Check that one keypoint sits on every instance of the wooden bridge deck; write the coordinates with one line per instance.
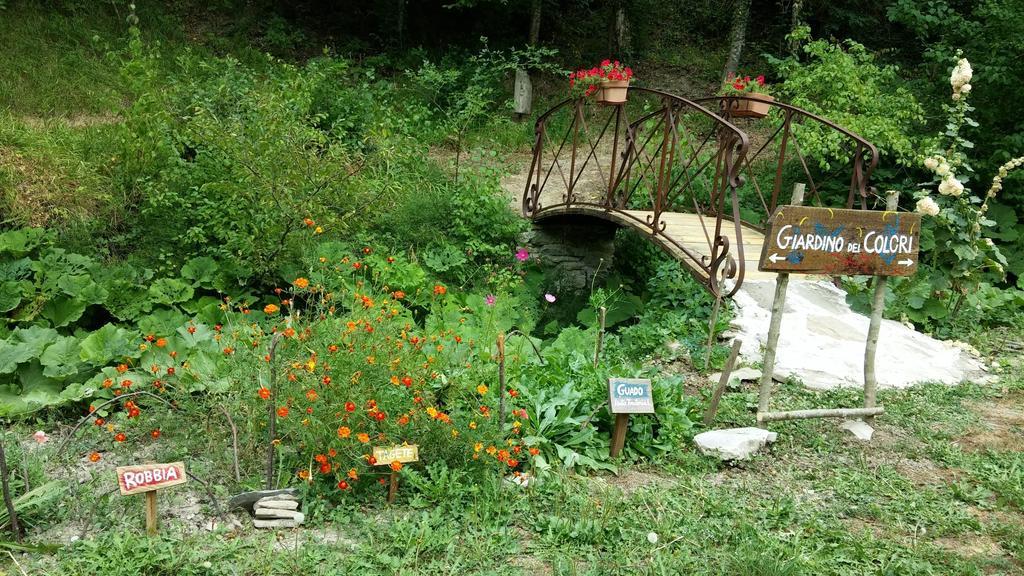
(685, 229)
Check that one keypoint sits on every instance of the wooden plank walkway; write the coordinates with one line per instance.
(685, 229)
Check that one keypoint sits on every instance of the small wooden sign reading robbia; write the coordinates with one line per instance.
(147, 479)
(808, 240)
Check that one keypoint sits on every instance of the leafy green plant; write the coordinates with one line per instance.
(845, 83)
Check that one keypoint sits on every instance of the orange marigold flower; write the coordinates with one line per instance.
(282, 411)
(271, 309)
(440, 290)
(161, 342)
(512, 463)
(263, 393)
(108, 383)
(403, 420)
(308, 222)
(326, 380)
(344, 432)
(122, 368)
(534, 451)
(100, 421)
(325, 468)
(363, 437)
(332, 348)
(289, 332)
(332, 452)
(311, 395)
(342, 485)
(396, 466)
(301, 283)
(94, 457)
(353, 474)
(398, 294)
(350, 407)
(320, 458)
(120, 437)
(155, 433)
(481, 389)
(304, 474)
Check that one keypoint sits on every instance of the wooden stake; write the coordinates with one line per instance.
(877, 307)
(601, 313)
(151, 512)
(822, 413)
(501, 384)
(619, 435)
(771, 346)
(12, 513)
(393, 487)
(711, 323)
(709, 416)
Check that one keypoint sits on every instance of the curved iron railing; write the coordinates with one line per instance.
(848, 150)
(639, 160)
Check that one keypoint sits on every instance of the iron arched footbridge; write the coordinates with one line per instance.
(699, 184)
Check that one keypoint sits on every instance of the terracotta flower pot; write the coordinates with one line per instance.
(613, 91)
(756, 107)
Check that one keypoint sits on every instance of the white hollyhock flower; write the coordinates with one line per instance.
(652, 537)
(931, 163)
(942, 169)
(927, 206)
(965, 88)
(950, 186)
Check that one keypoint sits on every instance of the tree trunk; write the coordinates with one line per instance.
(523, 90)
(794, 21)
(620, 30)
(535, 22)
(401, 23)
(737, 36)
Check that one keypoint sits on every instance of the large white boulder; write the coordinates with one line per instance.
(733, 443)
(822, 341)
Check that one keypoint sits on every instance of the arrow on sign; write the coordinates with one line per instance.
(775, 258)
(907, 262)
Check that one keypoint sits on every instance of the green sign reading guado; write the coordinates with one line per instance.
(630, 396)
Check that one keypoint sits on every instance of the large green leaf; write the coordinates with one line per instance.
(162, 322)
(201, 271)
(10, 295)
(170, 291)
(106, 344)
(36, 391)
(20, 242)
(35, 338)
(12, 354)
(61, 358)
(63, 310)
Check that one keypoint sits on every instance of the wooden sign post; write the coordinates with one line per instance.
(627, 396)
(147, 479)
(805, 240)
(384, 456)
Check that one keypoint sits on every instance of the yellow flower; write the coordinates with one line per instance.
(472, 425)
(455, 433)
(300, 283)
(432, 412)
(492, 450)
(481, 389)
(478, 447)
(319, 230)
(143, 347)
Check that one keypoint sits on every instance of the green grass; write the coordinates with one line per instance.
(910, 502)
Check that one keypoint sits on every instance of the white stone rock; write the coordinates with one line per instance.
(275, 523)
(738, 375)
(822, 341)
(278, 503)
(859, 428)
(733, 443)
(278, 513)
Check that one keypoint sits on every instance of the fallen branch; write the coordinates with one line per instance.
(97, 408)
